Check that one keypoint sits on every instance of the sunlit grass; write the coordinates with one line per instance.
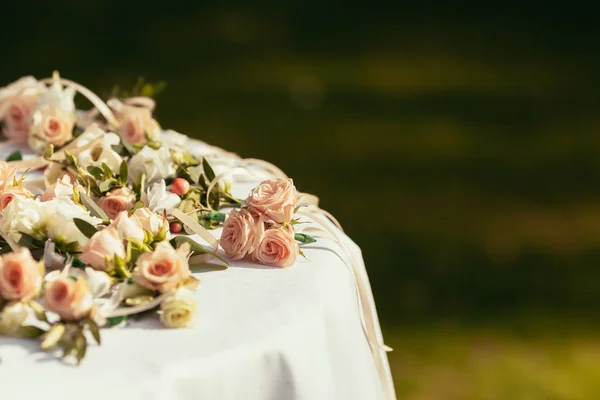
(445, 363)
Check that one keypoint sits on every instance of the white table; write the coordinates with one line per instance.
(263, 333)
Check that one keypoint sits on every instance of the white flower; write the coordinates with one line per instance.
(158, 198)
(149, 220)
(12, 317)
(58, 97)
(102, 153)
(173, 140)
(179, 310)
(61, 225)
(24, 215)
(155, 164)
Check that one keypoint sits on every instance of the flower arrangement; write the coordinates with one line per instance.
(115, 226)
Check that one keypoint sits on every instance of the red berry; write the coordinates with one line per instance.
(180, 186)
(175, 227)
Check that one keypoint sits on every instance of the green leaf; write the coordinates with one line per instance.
(30, 242)
(30, 332)
(94, 329)
(205, 267)
(85, 227)
(80, 346)
(14, 156)
(77, 263)
(38, 310)
(96, 172)
(208, 171)
(112, 321)
(123, 172)
(106, 185)
(196, 248)
(304, 238)
(139, 300)
(107, 171)
(92, 207)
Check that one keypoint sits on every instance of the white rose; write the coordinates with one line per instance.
(173, 140)
(155, 164)
(58, 97)
(128, 227)
(98, 281)
(158, 198)
(24, 215)
(179, 310)
(12, 317)
(61, 225)
(102, 153)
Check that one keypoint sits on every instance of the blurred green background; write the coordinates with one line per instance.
(456, 142)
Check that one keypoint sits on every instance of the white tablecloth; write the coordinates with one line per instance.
(263, 333)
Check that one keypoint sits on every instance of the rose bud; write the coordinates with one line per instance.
(180, 186)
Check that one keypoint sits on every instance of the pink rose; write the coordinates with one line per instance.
(7, 175)
(17, 120)
(138, 125)
(52, 125)
(104, 243)
(61, 188)
(71, 299)
(117, 200)
(242, 233)
(9, 194)
(128, 227)
(20, 276)
(275, 199)
(277, 248)
(162, 270)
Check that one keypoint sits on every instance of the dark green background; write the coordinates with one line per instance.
(456, 142)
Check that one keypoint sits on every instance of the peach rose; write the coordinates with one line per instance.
(9, 194)
(138, 125)
(128, 227)
(17, 119)
(117, 200)
(52, 125)
(61, 188)
(20, 276)
(162, 270)
(150, 221)
(278, 248)
(275, 199)
(71, 299)
(7, 175)
(242, 232)
(104, 243)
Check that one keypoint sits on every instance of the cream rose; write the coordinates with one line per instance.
(277, 248)
(51, 125)
(12, 317)
(71, 299)
(179, 309)
(275, 199)
(102, 153)
(10, 193)
(162, 270)
(20, 276)
(154, 164)
(158, 198)
(138, 125)
(104, 243)
(117, 200)
(150, 221)
(242, 233)
(7, 175)
(61, 188)
(128, 227)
